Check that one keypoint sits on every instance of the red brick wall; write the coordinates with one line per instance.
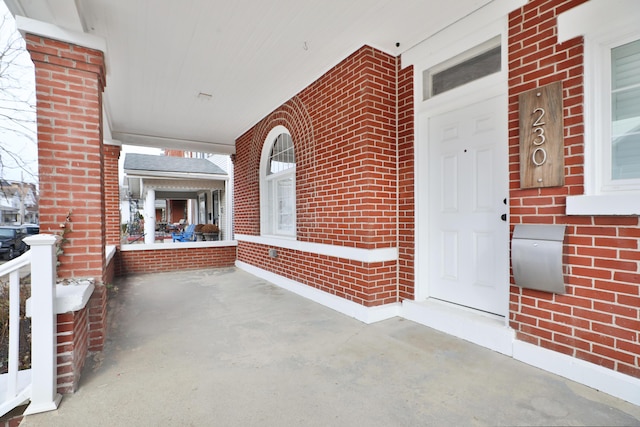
(72, 348)
(157, 260)
(597, 320)
(369, 284)
(97, 318)
(69, 85)
(110, 271)
(112, 194)
(345, 133)
(406, 199)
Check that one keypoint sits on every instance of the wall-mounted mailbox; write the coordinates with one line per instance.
(536, 257)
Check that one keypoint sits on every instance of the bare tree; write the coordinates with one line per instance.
(17, 109)
(18, 139)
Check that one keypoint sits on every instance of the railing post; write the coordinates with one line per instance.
(44, 396)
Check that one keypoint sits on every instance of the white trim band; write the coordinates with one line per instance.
(33, 26)
(604, 204)
(176, 245)
(597, 17)
(344, 252)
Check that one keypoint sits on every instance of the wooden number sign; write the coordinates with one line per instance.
(541, 137)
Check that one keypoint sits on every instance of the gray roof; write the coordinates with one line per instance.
(152, 163)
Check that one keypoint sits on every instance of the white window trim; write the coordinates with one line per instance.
(477, 50)
(604, 24)
(267, 228)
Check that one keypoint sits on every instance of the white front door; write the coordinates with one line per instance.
(468, 189)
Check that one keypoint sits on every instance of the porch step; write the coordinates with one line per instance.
(480, 328)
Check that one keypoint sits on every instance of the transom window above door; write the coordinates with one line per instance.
(480, 61)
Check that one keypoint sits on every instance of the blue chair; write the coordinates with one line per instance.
(185, 236)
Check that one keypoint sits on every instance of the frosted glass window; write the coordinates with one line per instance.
(481, 61)
(625, 111)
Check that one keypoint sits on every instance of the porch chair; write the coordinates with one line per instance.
(185, 236)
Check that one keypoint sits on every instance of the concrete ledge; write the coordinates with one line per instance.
(110, 252)
(364, 314)
(69, 298)
(177, 245)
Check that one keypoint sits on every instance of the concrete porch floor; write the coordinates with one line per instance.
(220, 347)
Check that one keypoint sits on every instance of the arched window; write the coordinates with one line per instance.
(278, 184)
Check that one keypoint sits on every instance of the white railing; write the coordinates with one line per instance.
(39, 383)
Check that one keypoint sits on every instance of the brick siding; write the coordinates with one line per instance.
(597, 319)
(72, 349)
(69, 85)
(112, 194)
(368, 284)
(159, 260)
(406, 180)
(344, 128)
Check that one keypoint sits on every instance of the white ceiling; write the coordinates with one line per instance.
(249, 55)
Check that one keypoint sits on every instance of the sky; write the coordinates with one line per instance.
(17, 81)
(18, 146)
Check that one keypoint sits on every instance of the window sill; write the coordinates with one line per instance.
(606, 204)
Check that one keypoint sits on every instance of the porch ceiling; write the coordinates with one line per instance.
(196, 74)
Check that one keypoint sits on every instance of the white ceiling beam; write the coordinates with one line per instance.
(45, 29)
(174, 143)
(63, 13)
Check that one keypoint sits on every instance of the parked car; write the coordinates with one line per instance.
(11, 244)
(30, 229)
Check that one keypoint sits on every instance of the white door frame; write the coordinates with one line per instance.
(462, 37)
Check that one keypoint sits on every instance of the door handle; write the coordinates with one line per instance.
(503, 217)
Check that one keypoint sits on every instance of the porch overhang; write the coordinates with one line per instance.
(195, 76)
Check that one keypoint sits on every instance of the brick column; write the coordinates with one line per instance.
(69, 84)
(112, 193)
(70, 80)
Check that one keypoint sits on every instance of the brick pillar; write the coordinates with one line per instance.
(112, 193)
(72, 349)
(70, 80)
(69, 84)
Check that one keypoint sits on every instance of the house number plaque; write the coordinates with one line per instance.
(541, 137)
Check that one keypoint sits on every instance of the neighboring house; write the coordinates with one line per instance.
(177, 190)
(392, 183)
(18, 202)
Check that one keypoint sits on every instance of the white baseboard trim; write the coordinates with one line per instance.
(349, 308)
(606, 380)
(482, 329)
